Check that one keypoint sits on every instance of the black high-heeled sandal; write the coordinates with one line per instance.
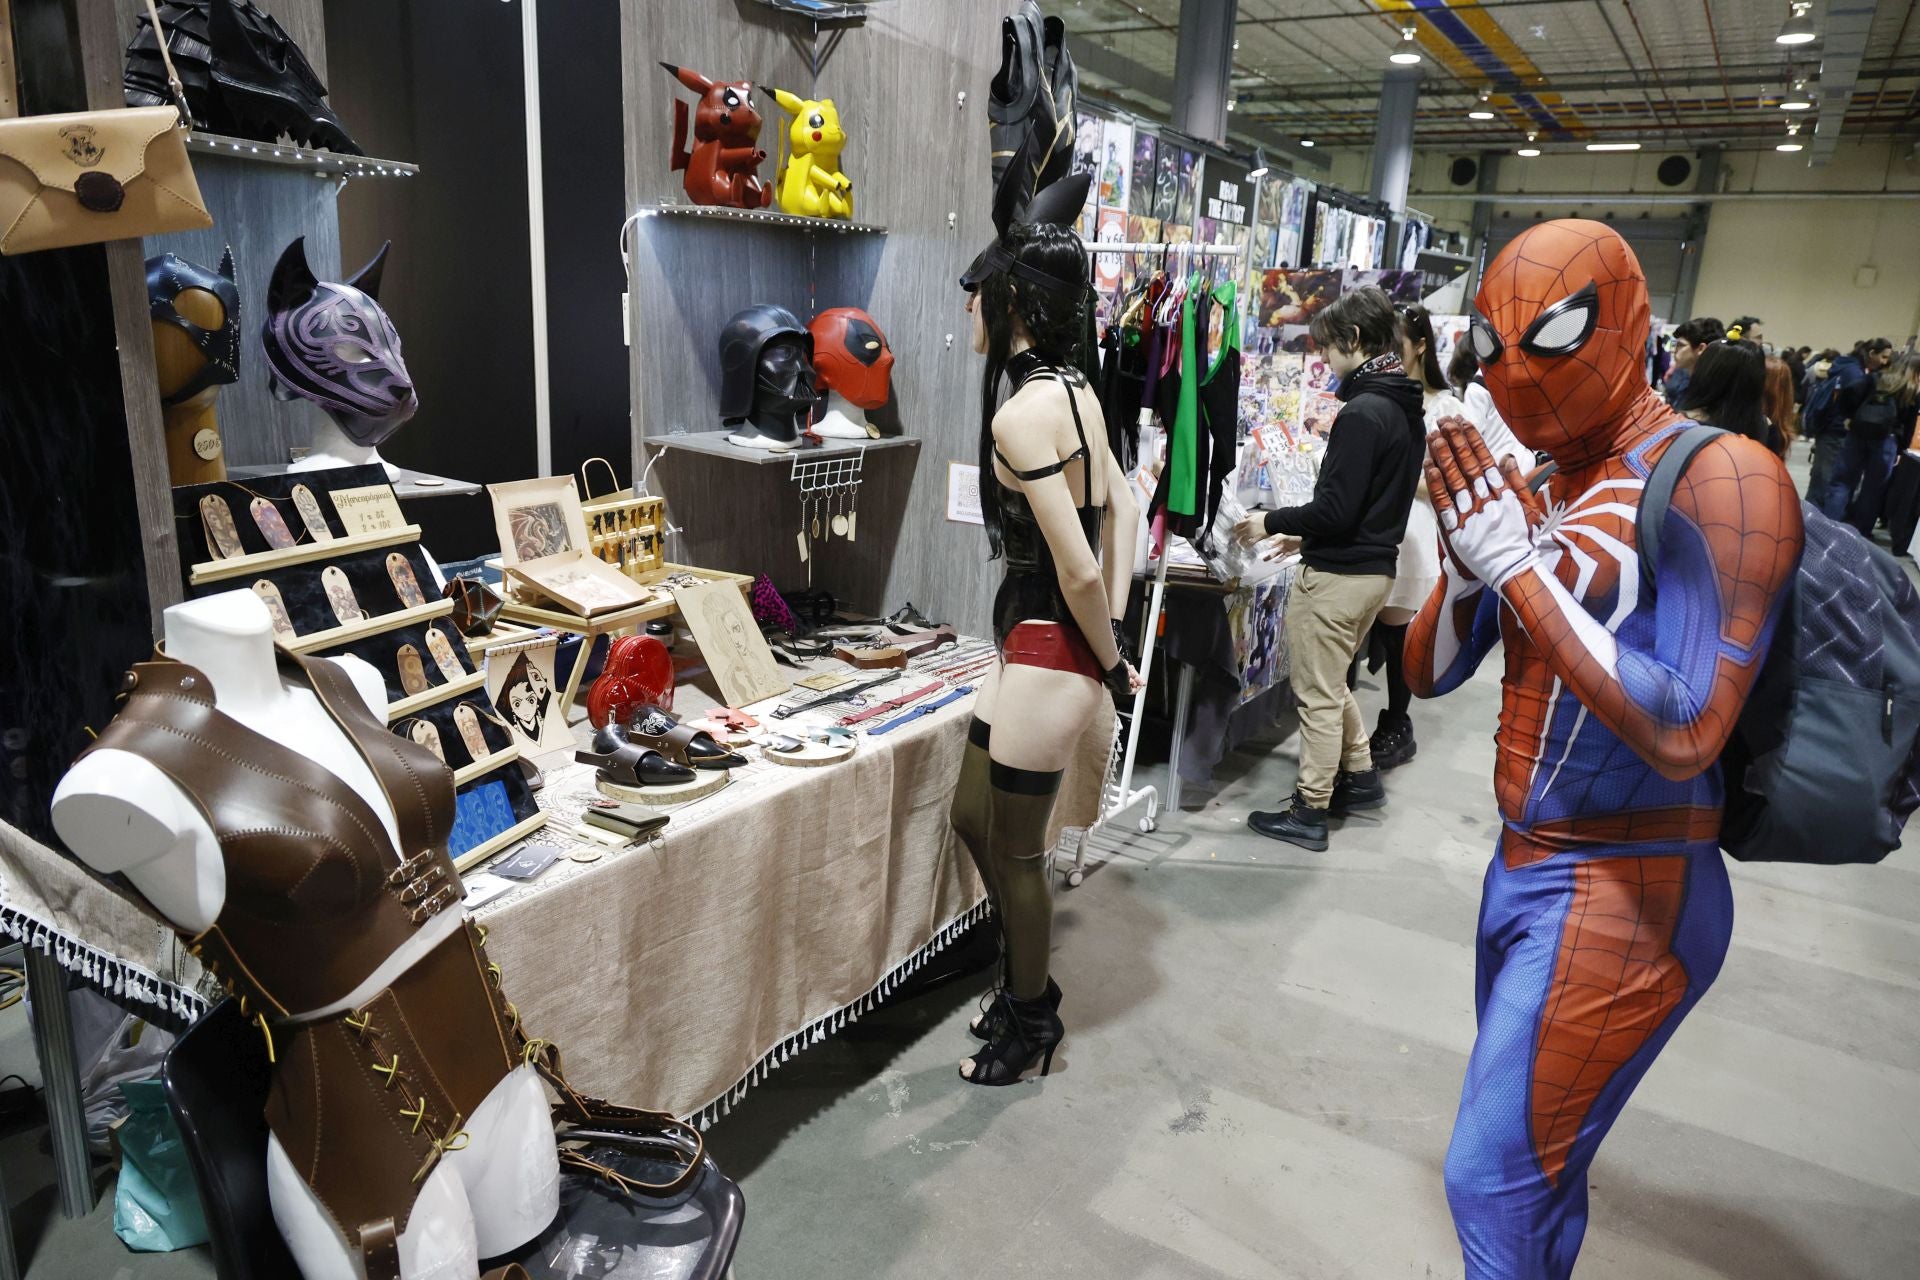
(1030, 1032)
(987, 1025)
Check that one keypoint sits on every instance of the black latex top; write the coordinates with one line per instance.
(1031, 590)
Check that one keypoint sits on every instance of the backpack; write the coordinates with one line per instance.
(1819, 406)
(1821, 766)
(1875, 419)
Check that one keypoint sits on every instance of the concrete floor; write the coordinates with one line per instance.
(1264, 1055)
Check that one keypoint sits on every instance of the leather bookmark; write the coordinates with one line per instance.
(443, 656)
(467, 721)
(223, 536)
(272, 525)
(405, 585)
(276, 609)
(340, 595)
(413, 676)
(310, 514)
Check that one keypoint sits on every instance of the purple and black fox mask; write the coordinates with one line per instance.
(334, 345)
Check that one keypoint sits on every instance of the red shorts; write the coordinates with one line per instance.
(1057, 646)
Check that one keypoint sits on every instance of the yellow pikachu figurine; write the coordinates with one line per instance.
(810, 182)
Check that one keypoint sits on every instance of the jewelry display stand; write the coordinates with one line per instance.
(364, 562)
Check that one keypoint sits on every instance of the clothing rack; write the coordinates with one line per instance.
(1119, 795)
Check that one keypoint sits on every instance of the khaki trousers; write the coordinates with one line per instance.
(1328, 615)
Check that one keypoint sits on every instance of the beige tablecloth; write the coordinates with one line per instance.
(673, 974)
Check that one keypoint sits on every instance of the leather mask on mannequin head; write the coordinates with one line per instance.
(333, 344)
(167, 278)
(1560, 327)
(766, 370)
(852, 356)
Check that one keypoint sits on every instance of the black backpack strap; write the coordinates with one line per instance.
(1546, 471)
(1658, 496)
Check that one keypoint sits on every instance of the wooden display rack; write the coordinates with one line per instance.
(625, 530)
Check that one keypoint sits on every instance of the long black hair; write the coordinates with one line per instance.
(1729, 386)
(1463, 366)
(1417, 324)
(1059, 319)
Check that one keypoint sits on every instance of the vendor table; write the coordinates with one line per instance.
(677, 973)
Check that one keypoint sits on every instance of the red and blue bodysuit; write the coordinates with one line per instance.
(1606, 910)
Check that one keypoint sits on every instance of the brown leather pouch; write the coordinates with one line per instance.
(90, 176)
(475, 606)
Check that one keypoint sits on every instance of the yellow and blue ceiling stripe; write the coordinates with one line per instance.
(1471, 43)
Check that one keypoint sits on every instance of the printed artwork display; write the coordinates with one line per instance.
(1108, 266)
(1255, 618)
(1295, 297)
(1146, 151)
(1183, 201)
(1116, 162)
(1166, 182)
(522, 688)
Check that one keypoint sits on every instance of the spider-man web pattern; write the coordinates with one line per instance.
(1606, 910)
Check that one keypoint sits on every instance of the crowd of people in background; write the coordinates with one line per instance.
(1855, 408)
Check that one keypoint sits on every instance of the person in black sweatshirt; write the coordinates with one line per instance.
(1349, 539)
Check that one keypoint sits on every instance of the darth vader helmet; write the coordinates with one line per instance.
(766, 364)
(333, 344)
(852, 356)
(167, 278)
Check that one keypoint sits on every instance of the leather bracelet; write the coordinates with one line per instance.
(1120, 638)
(920, 712)
(892, 704)
(872, 659)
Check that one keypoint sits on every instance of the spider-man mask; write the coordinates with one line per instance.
(1560, 327)
(852, 356)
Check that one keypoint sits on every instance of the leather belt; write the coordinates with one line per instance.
(893, 704)
(837, 695)
(920, 711)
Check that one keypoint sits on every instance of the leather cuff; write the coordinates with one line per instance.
(1120, 640)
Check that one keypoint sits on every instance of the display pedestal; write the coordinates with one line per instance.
(705, 783)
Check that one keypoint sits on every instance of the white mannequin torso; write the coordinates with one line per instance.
(118, 812)
(331, 448)
(842, 420)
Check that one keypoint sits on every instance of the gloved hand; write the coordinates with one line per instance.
(1121, 680)
(1484, 523)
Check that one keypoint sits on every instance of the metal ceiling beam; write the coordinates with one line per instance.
(1152, 95)
(1620, 81)
(1843, 46)
(1630, 197)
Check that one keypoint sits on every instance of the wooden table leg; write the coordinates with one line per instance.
(568, 694)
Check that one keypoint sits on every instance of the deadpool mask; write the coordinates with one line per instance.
(1560, 328)
(334, 345)
(852, 357)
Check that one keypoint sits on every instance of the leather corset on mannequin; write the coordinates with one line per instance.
(120, 813)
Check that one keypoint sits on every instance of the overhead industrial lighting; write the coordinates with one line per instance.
(1405, 54)
(1613, 146)
(1797, 98)
(1233, 104)
(1483, 110)
(1259, 167)
(1306, 142)
(1793, 142)
(1798, 28)
(1530, 150)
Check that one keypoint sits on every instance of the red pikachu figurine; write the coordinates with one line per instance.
(726, 152)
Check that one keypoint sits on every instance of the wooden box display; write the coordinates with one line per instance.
(624, 529)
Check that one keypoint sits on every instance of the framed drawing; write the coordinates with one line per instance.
(522, 689)
(731, 642)
(536, 519)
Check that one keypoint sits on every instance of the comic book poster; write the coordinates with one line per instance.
(1292, 222)
(1318, 409)
(1295, 297)
(1256, 619)
(1108, 266)
(1404, 287)
(1447, 333)
(1086, 158)
(1146, 151)
(1116, 162)
(1141, 230)
(1183, 203)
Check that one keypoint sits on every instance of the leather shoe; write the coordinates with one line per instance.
(1299, 823)
(1353, 792)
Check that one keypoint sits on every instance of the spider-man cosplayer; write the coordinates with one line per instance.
(1606, 910)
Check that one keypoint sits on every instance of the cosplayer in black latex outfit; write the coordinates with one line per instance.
(1058, 507)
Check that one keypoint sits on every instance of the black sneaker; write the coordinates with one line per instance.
(1353, 792)
(1392, 742)
(1299, 823)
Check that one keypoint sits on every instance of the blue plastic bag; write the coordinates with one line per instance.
(156, 1207)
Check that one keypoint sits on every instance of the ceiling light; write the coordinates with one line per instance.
(1259, 167)
(1793, 139)
(1528, 152)
(1479, 115)
(1306, 142)
(1798, 28)
(1405, 54)
(1797, 99)
(1233, 104)
(1613, 146)
(1790, 146)
(1483, 109)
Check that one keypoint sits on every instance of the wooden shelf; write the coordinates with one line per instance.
(321, 164)
(481, 852)
(370, 627)
(485, 765)
(763, 217)
(714, 444)
(502, 633)
(305, 553)
(439, 693)
(533, 616)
